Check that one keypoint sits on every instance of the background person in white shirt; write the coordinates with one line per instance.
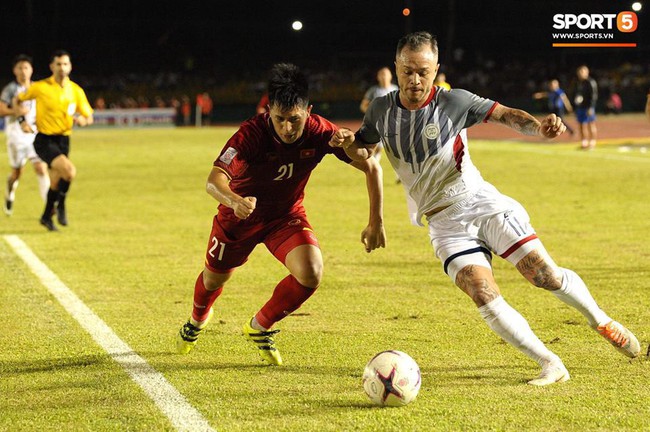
(20, 145)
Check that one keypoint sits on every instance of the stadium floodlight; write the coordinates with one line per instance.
(296, 25)
(637, 6)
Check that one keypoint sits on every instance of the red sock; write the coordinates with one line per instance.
(203, 299)
(288, 295)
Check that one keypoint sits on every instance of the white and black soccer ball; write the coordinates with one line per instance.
(392, 378)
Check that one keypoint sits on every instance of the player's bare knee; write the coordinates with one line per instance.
(539, 272)
(548, 278)
(70, 172)
(310, 275)
(213, 281)
(478, 284)
(40, 169)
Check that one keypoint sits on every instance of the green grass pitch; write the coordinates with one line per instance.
(139, 222)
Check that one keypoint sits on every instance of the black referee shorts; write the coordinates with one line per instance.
(48, 147)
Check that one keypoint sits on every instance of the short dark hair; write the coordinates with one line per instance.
(288, 87)
(21, 58)
(417, 40)
(59, 53)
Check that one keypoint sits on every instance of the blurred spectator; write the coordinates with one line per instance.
(558, 102)
(441, 81)
(143, 102)
(186, 110)
(100, 103)
(614, 104)
(585, 97)
(647, 105)
(204, 102)
(176, 104)
(263, 104)
(383, 87)
(159, 102)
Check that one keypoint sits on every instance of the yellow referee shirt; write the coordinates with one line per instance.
(55, 105)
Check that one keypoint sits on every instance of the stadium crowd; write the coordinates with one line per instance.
(512, 82)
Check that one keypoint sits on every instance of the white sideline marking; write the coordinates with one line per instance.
(183, 416)
(578, 153)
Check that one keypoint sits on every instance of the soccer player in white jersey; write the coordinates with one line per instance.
(422, 129)
(20, 145)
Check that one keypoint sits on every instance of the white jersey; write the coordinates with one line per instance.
(12, 127)
(428, 147)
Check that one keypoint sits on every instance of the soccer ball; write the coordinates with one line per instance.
(392, 378)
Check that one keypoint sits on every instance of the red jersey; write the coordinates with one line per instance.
(260, 165)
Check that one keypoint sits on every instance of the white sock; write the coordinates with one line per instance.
(43, 185)
(199, 324)
(256, 325)
(575, 293)
(12, 192)
(514, 329)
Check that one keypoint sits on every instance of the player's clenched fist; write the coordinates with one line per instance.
(552, 126)
(342, 138)
(244, 207)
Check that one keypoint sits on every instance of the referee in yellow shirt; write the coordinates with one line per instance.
(58, 99)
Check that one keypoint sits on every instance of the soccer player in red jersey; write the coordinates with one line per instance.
(259, 180)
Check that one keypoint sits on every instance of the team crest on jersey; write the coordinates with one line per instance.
(228, 155)
(432, 131)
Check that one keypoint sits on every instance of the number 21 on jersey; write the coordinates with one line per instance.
(213, 249)
(285, 172)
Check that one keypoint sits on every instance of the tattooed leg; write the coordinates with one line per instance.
(478, 283)
(537, 269)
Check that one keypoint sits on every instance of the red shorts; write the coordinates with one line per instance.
(232, 240)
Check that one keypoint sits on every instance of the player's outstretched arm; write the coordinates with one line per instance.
(567, 102)
(5, 110)
(345, 139)
(524, 123)
(18, 108)
(19, 111)
(373, 236)
(82, 120)
(218, 187)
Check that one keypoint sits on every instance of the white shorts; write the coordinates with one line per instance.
(467, 233)
(21, 149)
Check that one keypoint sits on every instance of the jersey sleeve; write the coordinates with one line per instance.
(460, 103)
(324, 129)
(594, 92)
(341, 155)
(235, 155)
(8, 93)
(370, 93)
(30, 93)
(83, 106)
(368, 133)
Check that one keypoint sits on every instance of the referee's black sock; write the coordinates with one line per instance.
(52, 198)
(64, 185)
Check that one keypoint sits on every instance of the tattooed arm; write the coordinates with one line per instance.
(524, 123)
